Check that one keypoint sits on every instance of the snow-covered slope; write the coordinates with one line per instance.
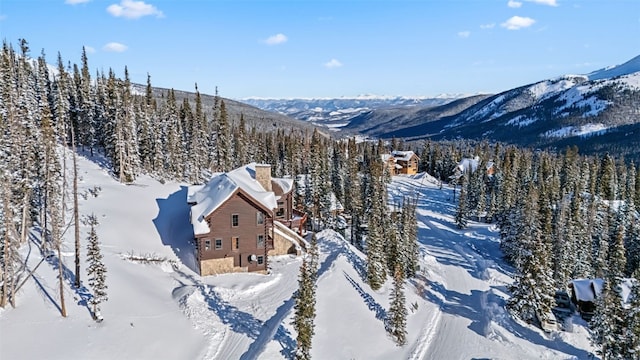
(627, 68)
(164, 310)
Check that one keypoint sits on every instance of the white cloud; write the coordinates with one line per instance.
(132, 9)
(544, 2)
(517, 23)
(90, 49)
(114, 47)
(464, 34)
(332, 64)
(276, 39)
(74, 2)
(514, 4)
(488, 26)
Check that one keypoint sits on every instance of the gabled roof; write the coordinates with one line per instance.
(590, 289)
(587, 289)
(403, 155)
(220, 188)
(387, 157)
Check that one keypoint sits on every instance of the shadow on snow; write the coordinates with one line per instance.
(485, 307)
(174, 227)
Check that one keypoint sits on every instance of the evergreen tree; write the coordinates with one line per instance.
(533, 289)
(96, 271)
(305, 302)
(377, 227)
(462, 210)
(410, 251)
(397, 318)
(632, 325)
(607, 324)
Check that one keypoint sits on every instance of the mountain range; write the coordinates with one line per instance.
(336, 113)
(598, 112)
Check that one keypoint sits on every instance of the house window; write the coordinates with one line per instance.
(207, 244)
(235, 241)
(234, 220)
(218, 244)
(260, 243)
(280, 212)
(259, 218)
(260, 260)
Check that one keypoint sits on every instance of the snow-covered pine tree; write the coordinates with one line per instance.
(352, 193)
(305, 302)
(96, 271)
(632, 325)
(175, 157)
(409, 237)
(533, 289)
(397, 317)
(607, 324)
(632, 222)
(377, 227)
(462, 209)
(223, 143)
(240, 154)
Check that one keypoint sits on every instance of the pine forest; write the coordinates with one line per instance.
(561, 215)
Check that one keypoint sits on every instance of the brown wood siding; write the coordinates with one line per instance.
(409, 167)
(247, 231)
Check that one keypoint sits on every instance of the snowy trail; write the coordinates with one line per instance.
(238, 330)
(274, 324)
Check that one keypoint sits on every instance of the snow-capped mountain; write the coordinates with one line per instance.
(629, 67)
(338, 112)
(599, 111)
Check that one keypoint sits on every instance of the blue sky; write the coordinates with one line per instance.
(331, 48)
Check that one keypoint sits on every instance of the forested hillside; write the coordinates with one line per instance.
(561, 215)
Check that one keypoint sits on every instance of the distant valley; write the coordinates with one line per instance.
(598, 112)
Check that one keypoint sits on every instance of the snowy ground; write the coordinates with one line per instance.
(164, 310)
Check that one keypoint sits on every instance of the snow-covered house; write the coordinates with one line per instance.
(469, 165)
(401, 162)
(242, 216)
(584, 293)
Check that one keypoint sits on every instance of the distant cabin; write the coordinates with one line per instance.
(401, 162)
(471, 165)
(584, 293)
(243, 216)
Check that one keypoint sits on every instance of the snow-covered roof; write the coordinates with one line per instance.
(467, 164)
(403, 155)
(191, 193)
(387, 157)
(220, 188)
(286, 184)
(587, 289)
(590, 289)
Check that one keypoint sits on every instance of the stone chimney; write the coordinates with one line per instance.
(263, 176)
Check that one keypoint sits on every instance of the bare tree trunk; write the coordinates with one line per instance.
(121, 152)
(63, 308)
(76, 219)
(7, 253)
(5, 272)
(25, 211)
(64, 178)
